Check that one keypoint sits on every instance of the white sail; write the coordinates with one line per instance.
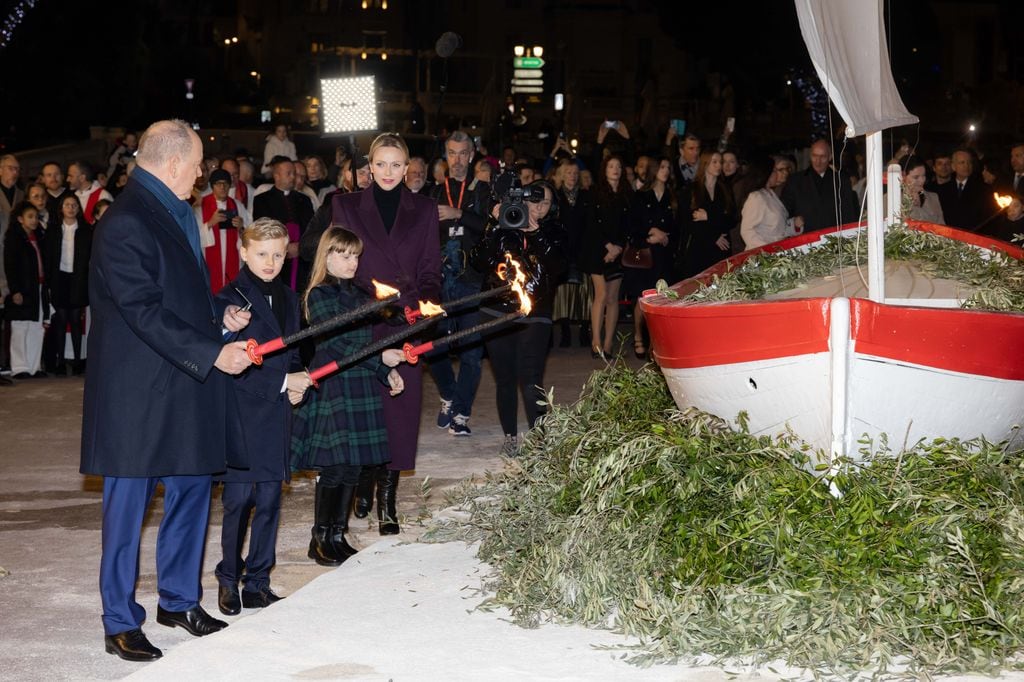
(846, 42)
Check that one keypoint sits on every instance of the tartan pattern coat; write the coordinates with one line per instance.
(342, 422)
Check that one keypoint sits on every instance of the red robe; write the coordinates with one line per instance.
(221, 273)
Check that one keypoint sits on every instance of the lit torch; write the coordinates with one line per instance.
(385, 295)
(426, 309)
(516, 282)
(1003, 201)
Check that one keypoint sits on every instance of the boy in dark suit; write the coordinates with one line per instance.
(265, 396)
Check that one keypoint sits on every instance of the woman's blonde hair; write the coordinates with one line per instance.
(262, 230)
(336, 239)
(388, 140)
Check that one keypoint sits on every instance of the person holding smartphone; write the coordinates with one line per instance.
(221, 220)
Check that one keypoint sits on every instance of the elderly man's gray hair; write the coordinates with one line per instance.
(164, 140)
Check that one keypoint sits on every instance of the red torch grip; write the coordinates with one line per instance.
(321, 372)
(413, 353)
(411, 315)
(256, 352)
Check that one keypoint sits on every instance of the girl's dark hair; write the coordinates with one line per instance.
(21, 208)
(603, 190)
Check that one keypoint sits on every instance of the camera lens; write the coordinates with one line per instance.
(513, 217)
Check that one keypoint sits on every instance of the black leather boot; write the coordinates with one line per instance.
(339, 524)
(321, 549)
(364, 492)
(584, 334)
(387, 492)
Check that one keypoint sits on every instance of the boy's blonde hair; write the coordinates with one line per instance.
(262, 230)
(336, 239)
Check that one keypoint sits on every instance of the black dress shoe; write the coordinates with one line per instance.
(196, 621)
(228, 601)
(40, 375)
(22, 375)
(132, 645)
(258, 600)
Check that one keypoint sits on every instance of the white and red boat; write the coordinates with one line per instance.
(834, 366)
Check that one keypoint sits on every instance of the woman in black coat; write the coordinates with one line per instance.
(27, 306)
(652, 225)
(67, 250)
(711, 217)
(601, 251)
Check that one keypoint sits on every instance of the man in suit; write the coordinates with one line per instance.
(294, 209)
(966, 201)
(1017, 165)
(159, 406)
(811, 196)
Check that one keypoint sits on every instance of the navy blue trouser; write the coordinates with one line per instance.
(263, 501)
(180, 542)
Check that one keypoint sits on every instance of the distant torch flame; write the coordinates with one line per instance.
(518, 282)
(383, 290)
(428, 309)
(1003, 200)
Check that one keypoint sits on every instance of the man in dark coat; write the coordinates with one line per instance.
(810, 196)
(294, 209)
(966, 200)
(159, 406)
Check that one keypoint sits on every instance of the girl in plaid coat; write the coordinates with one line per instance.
(340, 428)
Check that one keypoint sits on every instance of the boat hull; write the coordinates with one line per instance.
(834, 370)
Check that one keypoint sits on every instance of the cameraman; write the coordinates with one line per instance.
(519, 351)
(463, 204)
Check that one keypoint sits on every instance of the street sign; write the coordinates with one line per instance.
(527, 73)
(538, 82)
(527, 62)
(526, 89)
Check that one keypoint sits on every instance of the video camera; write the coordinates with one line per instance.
(512, 215)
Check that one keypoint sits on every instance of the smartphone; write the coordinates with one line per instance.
(248, 303)
(610, 124)
(680, 125)
(229, 215)
(730, 125)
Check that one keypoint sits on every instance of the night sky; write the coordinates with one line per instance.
(72, 64)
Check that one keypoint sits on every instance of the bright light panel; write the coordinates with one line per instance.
(348, 104)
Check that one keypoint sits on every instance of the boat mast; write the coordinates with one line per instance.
(876, 221)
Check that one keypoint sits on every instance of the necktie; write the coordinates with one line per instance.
(959, 189)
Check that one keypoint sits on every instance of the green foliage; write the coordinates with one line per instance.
(999, 278)
(624, 512)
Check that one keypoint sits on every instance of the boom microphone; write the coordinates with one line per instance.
(447, 44)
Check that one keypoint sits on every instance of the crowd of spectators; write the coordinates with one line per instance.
(631, 216)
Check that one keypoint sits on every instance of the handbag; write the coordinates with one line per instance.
(639, 259)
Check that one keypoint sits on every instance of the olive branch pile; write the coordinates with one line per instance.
(624, 512)
(999, 278)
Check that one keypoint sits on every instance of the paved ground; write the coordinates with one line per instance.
(50, 522)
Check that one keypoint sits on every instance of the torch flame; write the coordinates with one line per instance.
(428, 309)
(383, 290)
(1003, 200)
(518, 282)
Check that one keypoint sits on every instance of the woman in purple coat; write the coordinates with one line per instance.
(401, 248)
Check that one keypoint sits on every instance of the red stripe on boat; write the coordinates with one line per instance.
(689, 335)
(966, 341)
(725, 333)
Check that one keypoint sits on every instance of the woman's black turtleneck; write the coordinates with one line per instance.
(387, 204)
